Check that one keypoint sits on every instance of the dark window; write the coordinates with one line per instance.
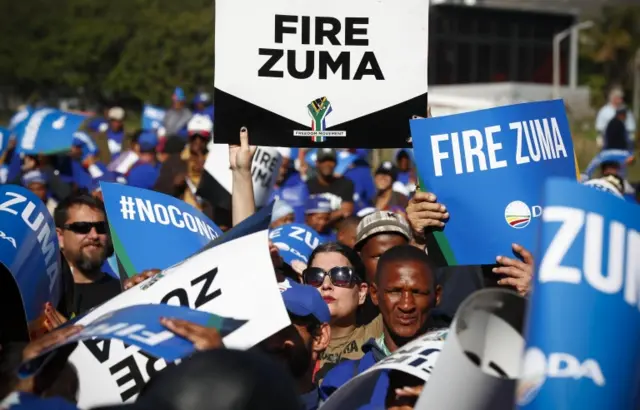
(484, 63)
(463, 72)
(502, 70)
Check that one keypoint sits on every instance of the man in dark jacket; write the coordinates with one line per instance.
(405, 291)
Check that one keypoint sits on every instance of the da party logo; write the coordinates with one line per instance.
(518, 214)
(537, 368)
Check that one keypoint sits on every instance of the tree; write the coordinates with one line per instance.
(609, 48)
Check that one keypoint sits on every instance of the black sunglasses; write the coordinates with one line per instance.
(85, 227)
(340, 276)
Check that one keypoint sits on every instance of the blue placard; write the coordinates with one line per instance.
(139, 325)
(152, 117)
(583, 325)
(153, 230)
(488, 168)
(47, 131)
(29, 248)
(295, 242)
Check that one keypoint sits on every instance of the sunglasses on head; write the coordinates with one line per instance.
(85, 227)
(340, 276)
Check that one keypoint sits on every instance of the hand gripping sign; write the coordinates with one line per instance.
(482, 353)
(29, 251)
(139, 325)
(583, 323)
(488, 168)
(153, 230)
(218, 280)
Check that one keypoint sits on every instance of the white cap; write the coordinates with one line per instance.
(116, 113)
(200, 123)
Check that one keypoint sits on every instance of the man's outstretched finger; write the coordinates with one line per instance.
(244, 138)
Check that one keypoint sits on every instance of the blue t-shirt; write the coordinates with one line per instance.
(294, 191)
(364, 188)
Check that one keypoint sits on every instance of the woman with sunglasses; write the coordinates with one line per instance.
(337, 272)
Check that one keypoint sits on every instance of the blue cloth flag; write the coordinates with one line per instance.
(153, 230)
(295, 242)
(152, 117)
(29, 249)
(47, 131)
(488, 168)
(139, 325)
(618, 156)
(583, 324)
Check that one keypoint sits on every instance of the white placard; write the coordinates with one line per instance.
(416, 358)
(359, 57)
(482, 353)
(219, 280)
(264, 170)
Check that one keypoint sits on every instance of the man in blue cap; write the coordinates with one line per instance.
(202, 104)
(178, 116)
(145, 172)
(300, 344)
(36, 182)
(318, 216)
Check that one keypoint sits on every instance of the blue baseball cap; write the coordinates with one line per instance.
(202, 98)
(305, 300)
(147, 140)
(178, 94)
(317, 205)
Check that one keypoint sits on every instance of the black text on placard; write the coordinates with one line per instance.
(205, 295)
(294, 30)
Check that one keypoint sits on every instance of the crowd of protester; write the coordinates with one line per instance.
(374, 284)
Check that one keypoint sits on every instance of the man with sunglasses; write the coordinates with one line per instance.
(85, 244)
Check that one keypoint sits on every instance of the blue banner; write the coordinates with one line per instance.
(583, 325)
(140, 326)
(152, 117)
(47, 131)
(488, 168)
(153, 230)
(29, 249)
(295, 242)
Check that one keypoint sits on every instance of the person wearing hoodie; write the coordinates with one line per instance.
(405, 291)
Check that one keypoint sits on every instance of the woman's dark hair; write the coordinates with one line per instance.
(351, 255)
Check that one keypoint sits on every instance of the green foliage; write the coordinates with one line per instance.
(131, 49)
(609, 49)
